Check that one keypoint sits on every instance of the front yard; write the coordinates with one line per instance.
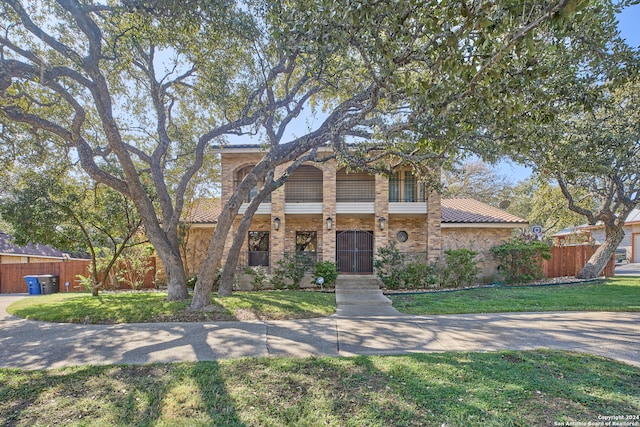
(142, 307)
(616, 294)
(508, 388)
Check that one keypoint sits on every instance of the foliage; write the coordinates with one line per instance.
(59, 206)
(289, 271)
(520, 259)
(542, 203)
(458, 268)
(191, 281)
(258, 276)
(389, 265)
(328, 270)
(476, 179)
(397, 270)
(418, 275)
(134, 265)
(615, 294)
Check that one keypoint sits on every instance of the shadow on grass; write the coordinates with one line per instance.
(183, 394)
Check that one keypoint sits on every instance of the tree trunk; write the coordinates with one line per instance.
(207, 273)
(172, 261)
(230, 265)
(598, 261)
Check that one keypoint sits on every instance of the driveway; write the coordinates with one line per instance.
(632, 269)
(38, 345)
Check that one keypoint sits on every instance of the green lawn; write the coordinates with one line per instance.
(616, 294)
(532, 388)
(133, 307)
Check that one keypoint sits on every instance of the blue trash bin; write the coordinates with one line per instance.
(34, 285)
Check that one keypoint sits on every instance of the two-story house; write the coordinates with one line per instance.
(332, 215)
(329, 214)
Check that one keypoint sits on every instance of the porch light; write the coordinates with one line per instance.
(276, 223)
(329, 223)
(383, 222)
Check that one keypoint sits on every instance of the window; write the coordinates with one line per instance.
(240, 174)
(307, 245)
(394, 187)
(258, 243)
(404, 187)
(409, 187)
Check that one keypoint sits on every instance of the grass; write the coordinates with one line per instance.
(616, 294)
(506, 388)
(140, 307)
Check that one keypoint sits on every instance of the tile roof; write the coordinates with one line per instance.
(473, 211)
(206, 211)
(203, 211)
(7, 247)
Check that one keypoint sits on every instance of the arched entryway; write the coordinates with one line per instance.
(354, 251)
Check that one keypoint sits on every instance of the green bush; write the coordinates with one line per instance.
(289, 271)
(258, 276)
(458, 269)
(191, 281)
(418, 275)
(327, 270)
(520, 259)
(389, 266)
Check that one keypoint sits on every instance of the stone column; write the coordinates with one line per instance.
(434, 236)
(329, 210)
(277, 237)
(381, 237)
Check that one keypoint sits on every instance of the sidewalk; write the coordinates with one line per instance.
(38, 345)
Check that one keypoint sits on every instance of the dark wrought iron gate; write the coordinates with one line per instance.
(354, 251)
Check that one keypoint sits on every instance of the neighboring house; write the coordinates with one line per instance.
(595, 234)
(329, 214)
(13, 254)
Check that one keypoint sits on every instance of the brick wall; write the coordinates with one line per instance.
(480, 240)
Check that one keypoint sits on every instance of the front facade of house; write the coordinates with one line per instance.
(327, 214)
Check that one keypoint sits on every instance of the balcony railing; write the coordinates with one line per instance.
(406, 191)
(352, 191)
(303, 191)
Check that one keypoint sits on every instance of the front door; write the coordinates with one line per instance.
(354, 251)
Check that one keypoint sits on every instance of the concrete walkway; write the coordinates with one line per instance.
(38, 345)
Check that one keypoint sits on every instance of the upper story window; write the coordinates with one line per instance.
(355, 187)
(304, 185)
(404, 187)
(239, 176)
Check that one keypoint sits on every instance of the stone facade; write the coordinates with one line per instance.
(376, 207)
(422, 225)
(480, 240)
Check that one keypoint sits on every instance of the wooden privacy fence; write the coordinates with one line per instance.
(12, 275)
(569, 260)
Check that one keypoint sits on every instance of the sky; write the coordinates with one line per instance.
(629, 26)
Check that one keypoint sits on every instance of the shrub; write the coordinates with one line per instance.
(458, 269)
(327, 270)
(389, 265)
(258, 276)
(291, 267)
(191, 281)
(418, 275)
(520, 259)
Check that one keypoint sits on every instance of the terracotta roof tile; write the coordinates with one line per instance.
(473, 211)
(206, 211)
(203, 211)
